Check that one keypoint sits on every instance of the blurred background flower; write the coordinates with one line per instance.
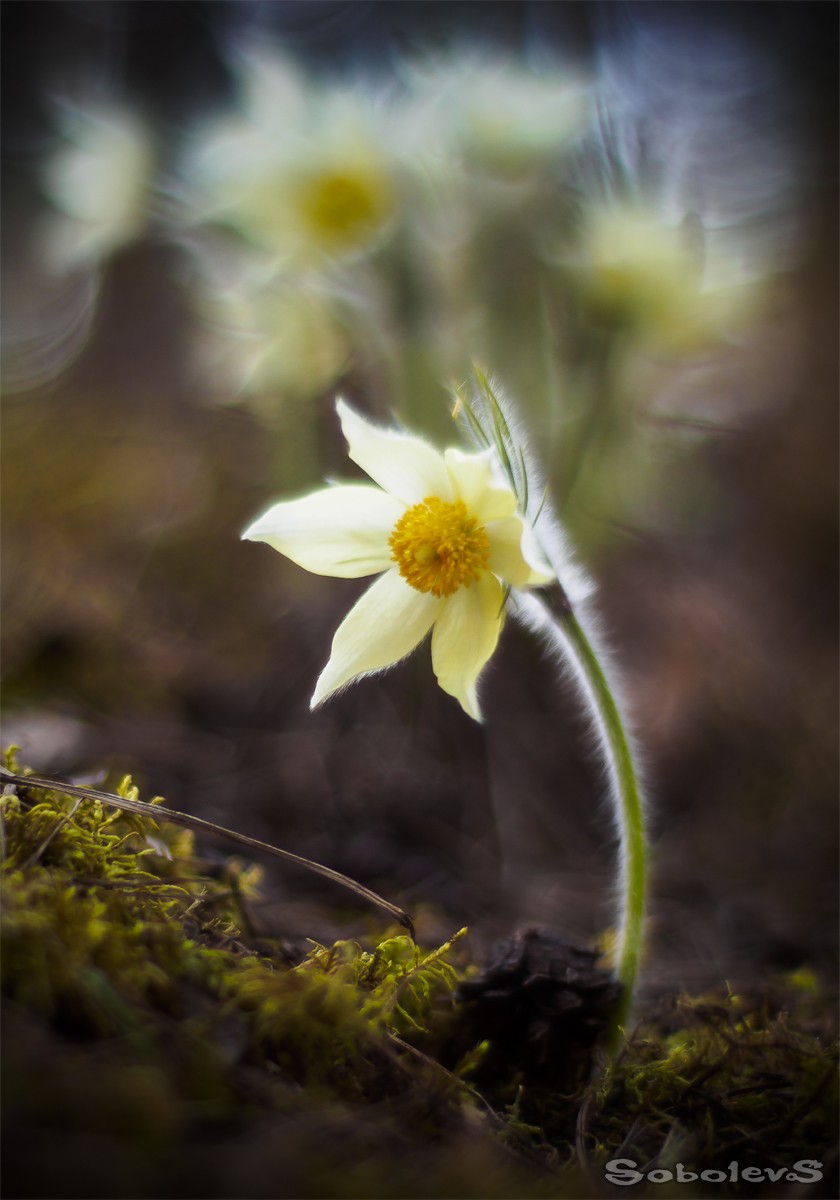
(300, 171)
(647, 278)
(280, 337)
(99, 180)
(496, 114)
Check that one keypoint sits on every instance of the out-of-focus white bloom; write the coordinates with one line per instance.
(500, 116)
(100, 181)
(650, 278)
(443, 534)
(281, 337)
(301, 172)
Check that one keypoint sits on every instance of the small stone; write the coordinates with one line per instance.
(541, 1002)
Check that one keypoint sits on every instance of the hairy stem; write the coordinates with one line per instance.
(559, 622)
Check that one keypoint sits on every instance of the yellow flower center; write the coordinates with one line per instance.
(439, 547)
(341, 207)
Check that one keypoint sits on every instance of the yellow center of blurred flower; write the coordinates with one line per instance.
(341, 207)
(439, 547)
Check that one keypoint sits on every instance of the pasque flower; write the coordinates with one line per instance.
(303, 173)
(658, 282)
(442, 533)
(99, 180)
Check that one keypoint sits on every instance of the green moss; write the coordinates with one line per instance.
(107, 915)
(734, 1082)
(137, 1008)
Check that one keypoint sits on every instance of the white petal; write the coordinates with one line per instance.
(514, 556)
(465, 635)
(340, 531)
(404, 466)
(474, 482)
(384, 626)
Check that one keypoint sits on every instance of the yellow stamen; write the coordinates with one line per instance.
(439, 547)
(340, 206)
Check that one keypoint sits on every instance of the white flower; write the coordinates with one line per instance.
(656, 281)
(274, 340)
(299, 171)
(500, 116)
(99, 179)
(443, 534)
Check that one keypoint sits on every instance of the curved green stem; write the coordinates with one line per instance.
(563, 624)
(629, 812)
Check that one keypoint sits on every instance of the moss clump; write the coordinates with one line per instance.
(107, 914)
(711, 1081)
(105, 918)
(126, 962)
(330, 1022)
(735, 1082)
(163, 1051)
